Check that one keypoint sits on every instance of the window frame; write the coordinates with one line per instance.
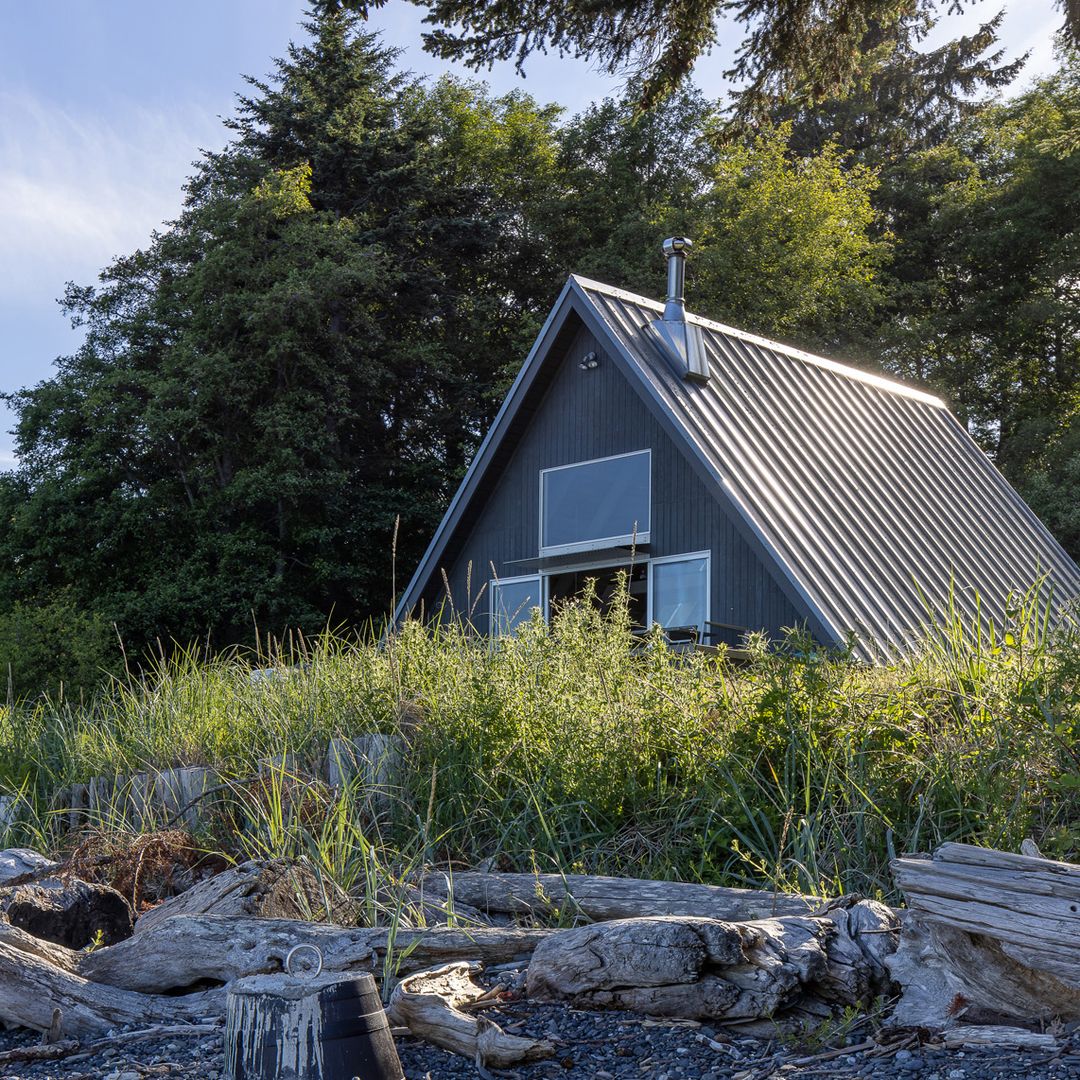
(495, 583)
(688, 556)
(600, 543)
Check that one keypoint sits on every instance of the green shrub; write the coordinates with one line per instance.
(570, 747)
(54, 648)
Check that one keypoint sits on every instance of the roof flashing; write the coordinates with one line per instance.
(682, 343)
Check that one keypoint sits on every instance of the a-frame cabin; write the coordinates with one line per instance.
(742, 484)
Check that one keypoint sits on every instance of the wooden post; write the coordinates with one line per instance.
(7, 812)
(77, 804)
(373, 761)
(179, 792)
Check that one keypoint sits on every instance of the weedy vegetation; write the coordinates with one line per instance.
(575, 747)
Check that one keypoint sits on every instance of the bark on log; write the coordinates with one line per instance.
(606, 898)
(188, 949)
(31, 988)
(264, 890)
(707, 969)
(990, 934)
(429, 1004)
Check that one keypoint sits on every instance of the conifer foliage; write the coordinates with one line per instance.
(307, 353)
(314, 348)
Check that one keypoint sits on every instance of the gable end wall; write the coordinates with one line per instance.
(591, 414)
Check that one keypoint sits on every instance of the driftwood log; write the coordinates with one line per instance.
(276, 889)
(604, 898)
(990, 934)
(68, 911)
(189, 949)
(430, 1005)
(708, 969)
(58, 955)
(1001, 1038)
(31, 989)
(148, 979)
(66, 1047)
(22, 864)
(268, 890)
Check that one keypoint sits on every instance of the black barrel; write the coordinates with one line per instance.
(355, 1033)
(280, 1027)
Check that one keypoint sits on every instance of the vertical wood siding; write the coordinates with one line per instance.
(590, 414)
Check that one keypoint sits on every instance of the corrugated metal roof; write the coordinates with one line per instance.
(873, 500)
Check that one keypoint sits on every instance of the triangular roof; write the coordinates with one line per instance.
(867, 499)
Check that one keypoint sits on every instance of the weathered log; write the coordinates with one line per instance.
(42, 1052)
(31, 988)
(990, 934)
(58, 955)
(66, 1047)
(68, 912)
(430, 1003)
(265, 890)
(278, 889)
(708, 969)
(868, 933)
(187, 949)
(606, 898)
(1010, 1038)
(21, 864)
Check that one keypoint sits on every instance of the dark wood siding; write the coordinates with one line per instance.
(589, 414)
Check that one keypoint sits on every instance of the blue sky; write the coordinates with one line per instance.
(105, 104)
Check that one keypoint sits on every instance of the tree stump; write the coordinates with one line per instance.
(989, 934)
(279, 1027)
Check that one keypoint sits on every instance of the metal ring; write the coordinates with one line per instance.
(301, 948)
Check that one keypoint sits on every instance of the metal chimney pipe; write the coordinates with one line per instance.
(675, 248)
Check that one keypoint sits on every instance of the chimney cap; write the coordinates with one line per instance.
(677, 245)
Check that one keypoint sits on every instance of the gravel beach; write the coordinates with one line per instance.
(592, 1046)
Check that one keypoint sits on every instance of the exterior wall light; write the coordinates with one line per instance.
(589, 362)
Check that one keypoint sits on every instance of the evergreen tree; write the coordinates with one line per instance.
(988, 294)
(783, 245)
(791, 48)
(309, 352)
(317, 344)
(902, 98)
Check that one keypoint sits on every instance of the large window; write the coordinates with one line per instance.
(680, 591)
(595, 504)
(512, 601)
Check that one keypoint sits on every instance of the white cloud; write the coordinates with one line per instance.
(77, 189)
(8, 460)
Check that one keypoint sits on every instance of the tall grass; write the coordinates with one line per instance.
(570, 747)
